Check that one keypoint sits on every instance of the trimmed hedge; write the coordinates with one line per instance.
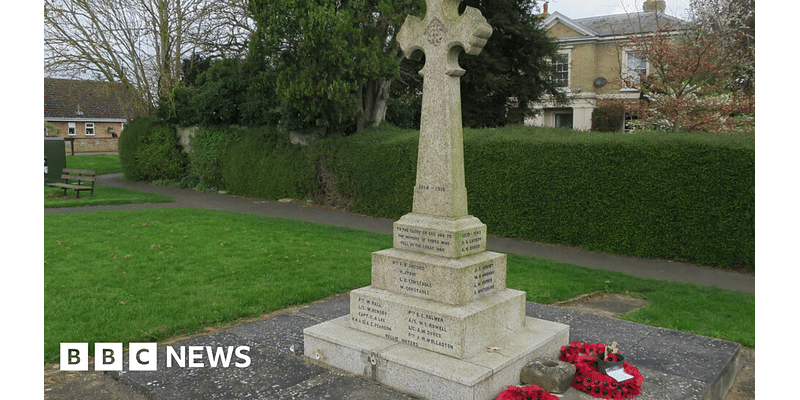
(150, 150)
(206, 149)
(681, 196)
(263, 163)
(686, 197)
(376, 169)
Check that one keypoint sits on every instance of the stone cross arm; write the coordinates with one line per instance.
(443, 33)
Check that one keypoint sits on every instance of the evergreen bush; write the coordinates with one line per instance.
(682, 196)
(207, 148)
(686, 197)
(263, 163)
(607, 119)
(376, 169)
(149, 150)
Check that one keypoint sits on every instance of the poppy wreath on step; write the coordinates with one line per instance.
(532, 392)
(590, 380)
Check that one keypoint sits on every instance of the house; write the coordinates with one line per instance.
(90, 115)
(594, 58)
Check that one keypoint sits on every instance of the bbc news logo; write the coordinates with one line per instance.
(144, 357)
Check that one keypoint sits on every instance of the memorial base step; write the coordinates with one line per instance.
(456, 331)
(427, 374)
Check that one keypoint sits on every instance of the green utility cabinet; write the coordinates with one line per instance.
(55, 159)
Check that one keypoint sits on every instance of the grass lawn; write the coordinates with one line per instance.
(101, 163)
(103, 195)
(148, 275)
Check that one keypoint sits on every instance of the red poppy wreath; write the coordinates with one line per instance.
(532, 392)
(590, 380)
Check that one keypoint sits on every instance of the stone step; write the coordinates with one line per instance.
(456, 331)
(419, 372)
(453, 281)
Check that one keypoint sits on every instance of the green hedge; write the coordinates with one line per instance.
(681, 196)
(263, 163)
(149, 150)
(206, 150)
(377, 169)
(686, 197)
(678, 196)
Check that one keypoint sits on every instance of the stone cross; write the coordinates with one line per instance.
(440, 190)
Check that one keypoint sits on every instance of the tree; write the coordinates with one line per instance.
(226, 91)
(335, 59)
(500, 83)
(733, 22)
(686, 87)
(139, 43)
(512, 72)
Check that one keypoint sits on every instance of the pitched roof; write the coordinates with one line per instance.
(630, 24)
(616, 24)
(66, 99)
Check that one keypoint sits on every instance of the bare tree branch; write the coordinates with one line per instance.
(140, 43)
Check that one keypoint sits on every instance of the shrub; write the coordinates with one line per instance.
(607, 119)
(376, 169)
(150, 150)
(688, 197)
(263, 163)
(207, 148)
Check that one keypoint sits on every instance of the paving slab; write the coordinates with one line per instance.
(675, 365)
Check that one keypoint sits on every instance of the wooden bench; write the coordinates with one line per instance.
(77, 180)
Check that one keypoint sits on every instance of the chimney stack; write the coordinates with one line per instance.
(655, 5)
(545, 9)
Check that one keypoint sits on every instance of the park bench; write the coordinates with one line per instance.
(77, 180)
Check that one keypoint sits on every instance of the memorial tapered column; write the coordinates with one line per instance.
(441, 36)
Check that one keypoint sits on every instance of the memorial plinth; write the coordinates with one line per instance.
(438, 320)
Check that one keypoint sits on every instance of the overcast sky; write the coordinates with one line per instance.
(593, 8)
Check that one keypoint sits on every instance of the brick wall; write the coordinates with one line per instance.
(93, 145)
(103, 139)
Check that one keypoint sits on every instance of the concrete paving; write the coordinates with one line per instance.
(676, 365)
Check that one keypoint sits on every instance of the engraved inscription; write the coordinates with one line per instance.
(371, 313)
(471, 241)
(420, 239)
(483, 279)
(409, 281)
(428, 329)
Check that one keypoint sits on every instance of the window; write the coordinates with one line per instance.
(561, 70)
(71, 128)
(630, 123)
(563, 120)
(90, 129)
(635, 67)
